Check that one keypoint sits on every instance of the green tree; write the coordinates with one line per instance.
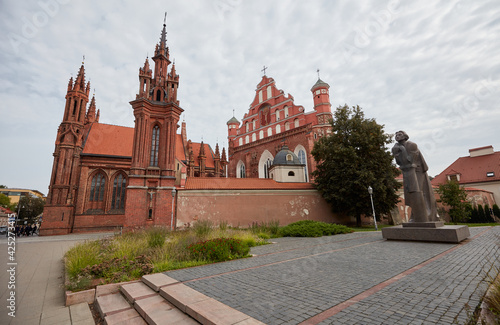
(487, 214)
(5, 202)
(474, 215)
(352, 158)
(481, 216)
(496, 210)
(30, 208)
(452, 195)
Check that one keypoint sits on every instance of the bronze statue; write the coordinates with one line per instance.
(417, 186)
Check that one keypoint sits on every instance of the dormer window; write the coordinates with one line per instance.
(289, 157)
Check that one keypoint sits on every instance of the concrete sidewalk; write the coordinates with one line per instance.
(39, 281)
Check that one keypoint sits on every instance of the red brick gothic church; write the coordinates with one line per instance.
(106, 176)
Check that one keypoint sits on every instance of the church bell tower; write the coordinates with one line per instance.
(157, 112)
(58, 213)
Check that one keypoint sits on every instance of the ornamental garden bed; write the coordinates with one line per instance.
(129, 256)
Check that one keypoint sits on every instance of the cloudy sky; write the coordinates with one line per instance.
(432, 70)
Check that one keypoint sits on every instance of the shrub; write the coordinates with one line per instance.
(219, 249)
(120, 269)
(310, 228)
(496, 210)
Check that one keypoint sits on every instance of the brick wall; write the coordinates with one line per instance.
(242, 207)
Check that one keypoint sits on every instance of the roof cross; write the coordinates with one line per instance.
(264, 70)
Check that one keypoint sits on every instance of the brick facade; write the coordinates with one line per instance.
(106, 176)
(272, 121)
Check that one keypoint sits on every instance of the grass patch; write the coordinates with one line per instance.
(133, 254)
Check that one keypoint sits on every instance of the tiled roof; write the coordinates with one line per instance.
(114, 140)
(5, 210)
(213, 183)
(209, 162)
(110, 140)
(472, 169)
(179, 148)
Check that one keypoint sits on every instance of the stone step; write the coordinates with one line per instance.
(112, 304)
(159, 299)
(126, 317)
(138, 290)
(156, 310)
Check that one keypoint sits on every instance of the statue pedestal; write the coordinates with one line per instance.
(427, 231)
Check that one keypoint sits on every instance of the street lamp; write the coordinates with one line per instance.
(370, 191)
(172, 216)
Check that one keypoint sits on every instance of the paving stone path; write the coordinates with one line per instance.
(355, 278)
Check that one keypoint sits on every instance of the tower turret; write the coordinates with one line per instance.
(61, 199)
(321, 98)
(157, 112)
(232, 128)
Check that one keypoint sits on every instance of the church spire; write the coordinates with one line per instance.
(91, 113)
(80, 79)
(162, 49)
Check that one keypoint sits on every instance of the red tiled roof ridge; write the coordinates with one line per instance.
(122, 126)
(472, 169)
(476, 189)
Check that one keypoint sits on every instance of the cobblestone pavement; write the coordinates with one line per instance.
(356, 278)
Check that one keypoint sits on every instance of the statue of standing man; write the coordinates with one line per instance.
(417, 186)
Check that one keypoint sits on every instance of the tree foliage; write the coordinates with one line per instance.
(30, 208)
(496, 210)
(454, 196)
(5, 202)
(352, 158)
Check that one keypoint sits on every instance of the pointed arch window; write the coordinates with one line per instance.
(118, 199)
(97, 188)
(242, 171)
(268, 164)
(158, 95)
(155, 142)
(302, 159)
(97, 196)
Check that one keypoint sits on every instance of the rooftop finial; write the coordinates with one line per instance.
(233, 112)
(83, 61)
(318, 73)
(163, 38)
(264, 69)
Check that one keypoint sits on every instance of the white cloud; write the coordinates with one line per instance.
(430, 69)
